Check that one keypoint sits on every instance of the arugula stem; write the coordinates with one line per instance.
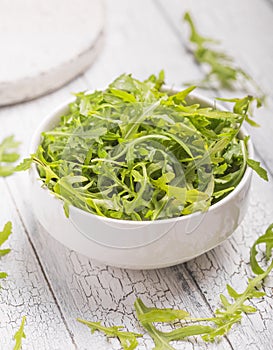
(139, 119)
(156, 335)
(139, 140)
(253, 283)
(95, 160)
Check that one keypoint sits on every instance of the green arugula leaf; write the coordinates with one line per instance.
(195, 36)
(25, 164)
(128, 340)
(256, 166)
(162, 339)
(4, 235)
(157, 315)
(231, 313)
(223, 72)
(180, 97)
(19, 335)
(3, 275)
(267, 238)
(7, 155)
(244, 107)
(125, 96)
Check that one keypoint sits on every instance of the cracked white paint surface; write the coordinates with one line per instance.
(26, 292)
(53, 285)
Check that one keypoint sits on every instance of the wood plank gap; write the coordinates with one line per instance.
(172, 26)
(41, 266)
(205, 300)
(174, 29)
(269, 3)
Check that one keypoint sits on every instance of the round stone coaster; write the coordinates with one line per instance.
(45, 44)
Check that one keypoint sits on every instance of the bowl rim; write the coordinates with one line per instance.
(57, 112)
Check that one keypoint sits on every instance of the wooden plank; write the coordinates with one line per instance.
(244, 29)
(26, 292)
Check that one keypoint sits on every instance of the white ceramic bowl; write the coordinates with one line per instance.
(134, 244)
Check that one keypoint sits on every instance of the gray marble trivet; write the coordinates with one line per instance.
(44, 44)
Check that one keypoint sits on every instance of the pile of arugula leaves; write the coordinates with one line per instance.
(135, 152)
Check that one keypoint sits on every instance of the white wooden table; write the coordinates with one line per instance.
(52, 285)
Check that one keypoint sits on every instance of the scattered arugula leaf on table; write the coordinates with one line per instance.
(136, 152)
(225, 317)
(19, 335)
(209, 328)
(8, 156)
(4, 235)
(25, 164)
(267, 239)
(128, 340)
(223, 72)
(256, 166)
